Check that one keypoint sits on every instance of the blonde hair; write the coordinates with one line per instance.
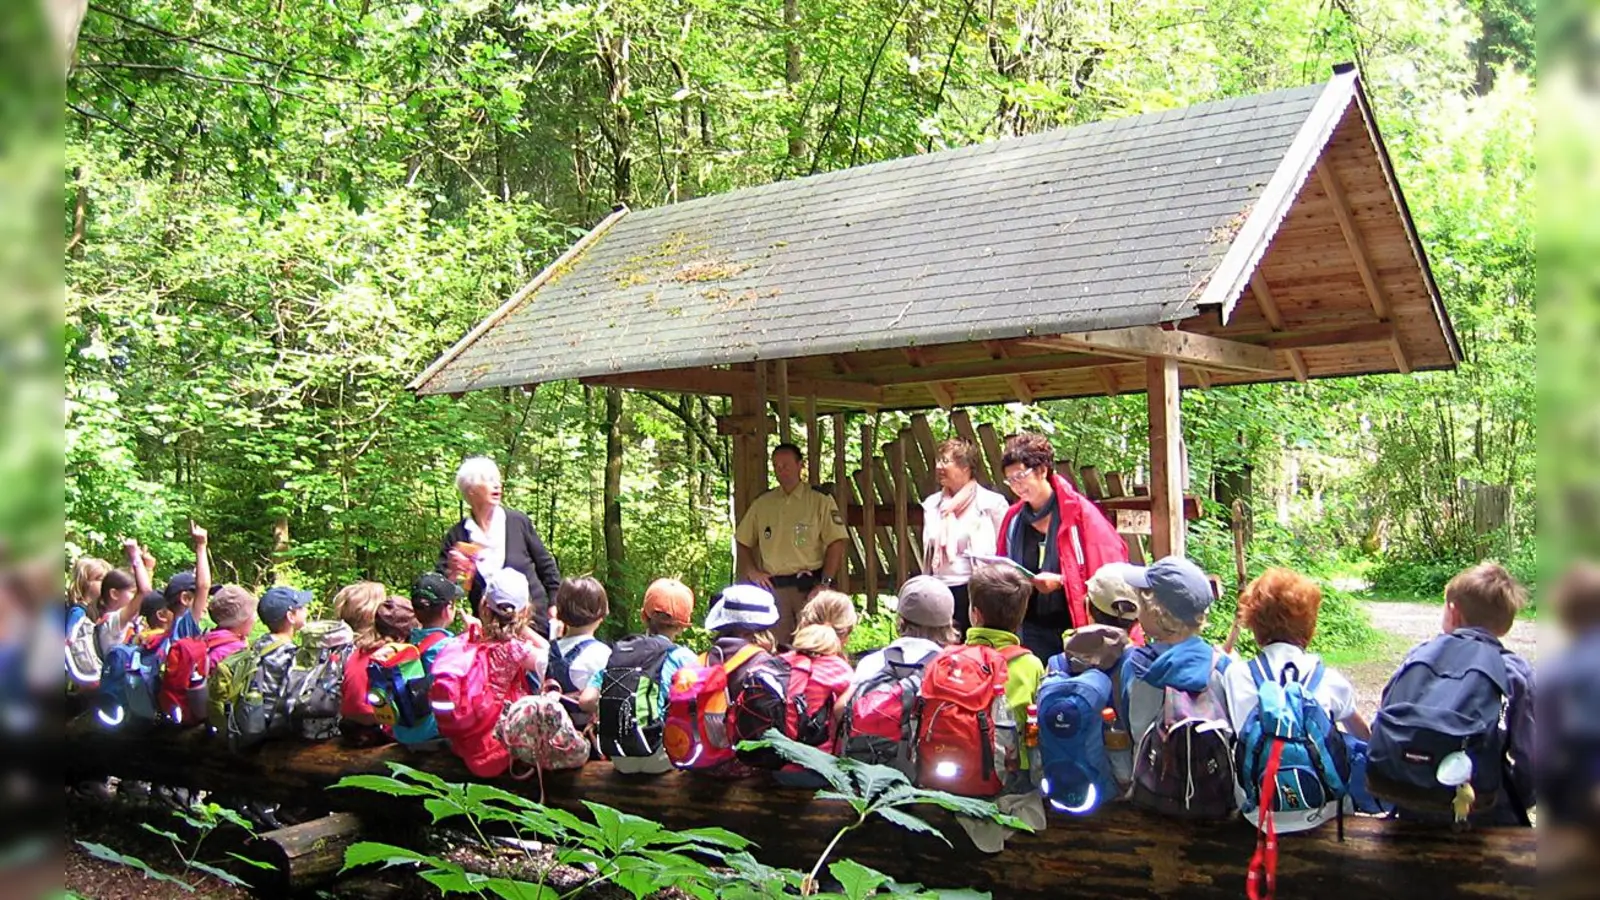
(817, 640)
(762, 638)
(357, 604)
(85, 572)
(832, 610)
(1162, 626)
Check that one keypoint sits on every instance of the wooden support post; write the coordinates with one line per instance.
(749, 463)
(869, 511)
(1166, 459)
(813, 443)
(841, 492)
(930, 451)
(902, 530)
(783, 402)
(302, 855)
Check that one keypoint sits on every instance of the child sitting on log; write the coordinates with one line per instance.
(581, 607)
(628, 697)
(1461, 699)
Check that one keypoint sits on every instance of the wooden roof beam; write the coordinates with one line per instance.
(1020, 387)
(1201, 377)
(943, 394)
(1274, 316)
(1037, 364)
(1358, 251)
(722, 382)
(1108, 381)
(1184, 347)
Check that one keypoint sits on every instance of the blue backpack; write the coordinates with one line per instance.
(129, 681)
(1447, 697)
(1313, 768)
(1076, 770)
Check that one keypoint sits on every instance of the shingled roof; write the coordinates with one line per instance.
(1139, 221)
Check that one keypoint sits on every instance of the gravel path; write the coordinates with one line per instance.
(1405, 625)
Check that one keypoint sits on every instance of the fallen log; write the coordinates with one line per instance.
(304, 854)
(1117, 852)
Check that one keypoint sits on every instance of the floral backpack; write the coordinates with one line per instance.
(538, 732)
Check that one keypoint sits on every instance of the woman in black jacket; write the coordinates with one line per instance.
(503, 538)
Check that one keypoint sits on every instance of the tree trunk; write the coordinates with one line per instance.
(612, 502)
(792, 76)
(1117, 852)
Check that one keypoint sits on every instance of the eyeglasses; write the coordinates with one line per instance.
(1017, 477)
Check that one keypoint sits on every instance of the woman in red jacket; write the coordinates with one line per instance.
(1056, 532)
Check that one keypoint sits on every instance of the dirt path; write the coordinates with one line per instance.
(1404, 625)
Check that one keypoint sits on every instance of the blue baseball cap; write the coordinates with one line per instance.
(278, 602)
(1178, 585)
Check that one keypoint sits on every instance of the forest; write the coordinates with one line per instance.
(275, 215)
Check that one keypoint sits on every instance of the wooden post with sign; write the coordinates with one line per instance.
(1166, 458)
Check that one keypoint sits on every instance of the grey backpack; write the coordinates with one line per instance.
(318, 679)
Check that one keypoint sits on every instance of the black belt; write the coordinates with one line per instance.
(805, 580)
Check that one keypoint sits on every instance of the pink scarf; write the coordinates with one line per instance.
(951, 508)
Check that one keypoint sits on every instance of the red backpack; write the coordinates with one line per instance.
(183, 698)
(878, 727)
(963, 721)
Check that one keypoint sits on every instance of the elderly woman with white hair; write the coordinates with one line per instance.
(491, 537)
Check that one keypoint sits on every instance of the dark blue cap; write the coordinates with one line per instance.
(278, 602)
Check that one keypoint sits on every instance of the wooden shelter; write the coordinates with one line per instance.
(1263, 238)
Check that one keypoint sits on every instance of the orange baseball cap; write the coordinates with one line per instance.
(670, 597)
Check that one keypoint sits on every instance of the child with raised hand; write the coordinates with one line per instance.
(641, 665)
(187, 593)
(1463, 675)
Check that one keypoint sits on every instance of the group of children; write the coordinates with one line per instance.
(1163, 718)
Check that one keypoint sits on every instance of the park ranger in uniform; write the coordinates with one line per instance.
(793, 539)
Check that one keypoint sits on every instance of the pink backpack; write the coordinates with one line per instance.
(815, 685)
(466, 708)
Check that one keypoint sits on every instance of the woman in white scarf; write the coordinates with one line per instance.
(962, 517)
(492, 537)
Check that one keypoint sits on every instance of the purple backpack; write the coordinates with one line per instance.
(1183, 763)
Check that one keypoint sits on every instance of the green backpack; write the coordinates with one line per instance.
(249, 693)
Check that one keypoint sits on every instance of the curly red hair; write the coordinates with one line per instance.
(1281, 607)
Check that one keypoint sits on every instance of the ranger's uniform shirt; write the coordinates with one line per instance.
(792, 531)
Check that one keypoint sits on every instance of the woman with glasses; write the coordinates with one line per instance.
(963, 517)
(1056, 534)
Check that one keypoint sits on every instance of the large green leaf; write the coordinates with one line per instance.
(102, 852)
(857, 880)
(367, 853)
(813, 759)
(910, 823)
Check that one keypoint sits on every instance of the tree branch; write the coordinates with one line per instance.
(872, 72)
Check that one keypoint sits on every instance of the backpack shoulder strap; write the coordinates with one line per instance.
(432, 640)
(576, 649)
(1013, 652)
(1315, 681)
(1057, 665)
(1258, 672)
(744, 655)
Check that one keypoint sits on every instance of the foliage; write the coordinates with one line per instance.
(276, 215)
(639, 855)
(202, 819)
